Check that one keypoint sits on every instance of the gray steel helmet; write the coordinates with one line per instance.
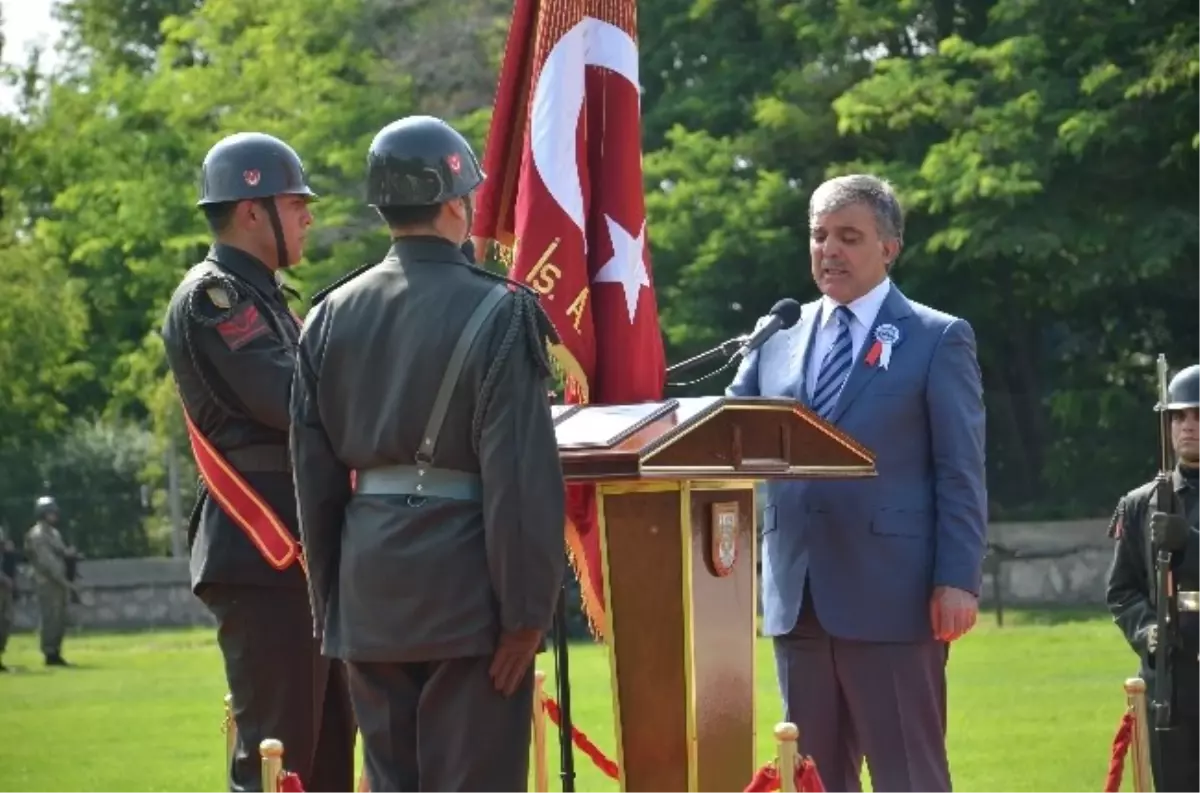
(250, 165)
(420, 161)
(1183, 391)
(44, 506)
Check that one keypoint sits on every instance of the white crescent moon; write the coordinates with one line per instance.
(558, 100)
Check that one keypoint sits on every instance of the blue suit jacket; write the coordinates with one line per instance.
(874, 549)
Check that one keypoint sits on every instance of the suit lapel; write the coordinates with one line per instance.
(895, 310)
(798, 365)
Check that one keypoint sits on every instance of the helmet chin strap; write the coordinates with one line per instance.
(277, 227)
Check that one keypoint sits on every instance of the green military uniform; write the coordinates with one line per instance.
(47, 554)
(1132, 600)
(230, 341)
(426, 377)
(8, 591)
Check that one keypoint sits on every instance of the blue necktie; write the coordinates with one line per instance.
(835, 367)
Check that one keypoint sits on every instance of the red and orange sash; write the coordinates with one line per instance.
(243, 505)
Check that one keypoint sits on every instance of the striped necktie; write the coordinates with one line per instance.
(835, 367)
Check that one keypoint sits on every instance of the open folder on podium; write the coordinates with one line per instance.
(675, 498)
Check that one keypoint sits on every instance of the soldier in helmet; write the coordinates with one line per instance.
(1132, 592)
(434, 574)
(230, 340)
(48, 555)
(8, 590)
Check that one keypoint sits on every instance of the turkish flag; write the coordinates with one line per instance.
(564, 193)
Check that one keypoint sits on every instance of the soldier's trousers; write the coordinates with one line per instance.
(1173, 754)
(52, 611)
(7, 602)
(441, 725)
(282, 687)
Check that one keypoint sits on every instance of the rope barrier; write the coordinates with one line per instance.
(1120, 747)
(583, 743)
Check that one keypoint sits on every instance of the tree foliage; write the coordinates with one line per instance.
(1046, 154)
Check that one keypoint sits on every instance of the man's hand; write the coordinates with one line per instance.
(1151, 639)
(952, 613)
(1168, 531)
(512, 659)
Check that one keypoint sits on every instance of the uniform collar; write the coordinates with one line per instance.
(245, 266)
(865, 309)
(427, 248)
(1179, 481)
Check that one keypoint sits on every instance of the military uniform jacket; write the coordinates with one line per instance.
(1131, 594)
(412, 578)
(230, 341)
(47, 554)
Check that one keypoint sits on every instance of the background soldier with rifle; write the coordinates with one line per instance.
(8, 590)
(49, 556)
(1153, 580)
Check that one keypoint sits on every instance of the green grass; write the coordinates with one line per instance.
(1033, 706)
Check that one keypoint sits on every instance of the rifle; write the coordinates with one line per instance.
(1167, 617)
(72, 573)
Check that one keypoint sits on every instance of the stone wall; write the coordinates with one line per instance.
(123, 594)
(1034, 564)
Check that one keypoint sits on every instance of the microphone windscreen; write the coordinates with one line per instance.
(788, 311)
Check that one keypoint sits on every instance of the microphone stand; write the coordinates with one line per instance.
(562, 680)
(723, 350)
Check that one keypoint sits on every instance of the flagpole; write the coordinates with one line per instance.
(562, 679)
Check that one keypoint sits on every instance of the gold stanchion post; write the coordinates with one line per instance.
(1135, 697)
(787, 735)
(229, 727)
(541, 776)
(272, 764)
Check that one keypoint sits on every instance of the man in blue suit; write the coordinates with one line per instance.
(866, 582)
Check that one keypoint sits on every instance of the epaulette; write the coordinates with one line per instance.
(321, 294)
(1116, 526)
(221, 290)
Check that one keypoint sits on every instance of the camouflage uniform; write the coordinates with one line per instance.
(8, 590)
(47, 554)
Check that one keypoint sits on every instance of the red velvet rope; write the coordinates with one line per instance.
(1120, 747)
(766, 779)
(289, 782)
(583, 743)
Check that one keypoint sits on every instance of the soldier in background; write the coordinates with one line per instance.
(230, 341)
(8, 590)
(436, 576)
(47, 554)
(1132, 592)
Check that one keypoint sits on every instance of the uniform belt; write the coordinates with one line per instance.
(260, 458)
(1188, 601)
(407, 480)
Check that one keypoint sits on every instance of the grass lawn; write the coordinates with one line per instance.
(1033, 706)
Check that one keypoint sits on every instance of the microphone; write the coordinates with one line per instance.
(784, 315)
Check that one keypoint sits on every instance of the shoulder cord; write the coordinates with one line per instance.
(524, 318)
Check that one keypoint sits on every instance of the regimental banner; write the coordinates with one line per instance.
(564, 197)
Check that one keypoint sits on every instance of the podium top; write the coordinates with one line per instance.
(705, 438)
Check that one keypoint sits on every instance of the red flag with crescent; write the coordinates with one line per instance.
(564, 194)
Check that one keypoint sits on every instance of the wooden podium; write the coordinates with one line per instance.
(675, 497)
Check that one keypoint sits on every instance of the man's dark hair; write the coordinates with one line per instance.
(402, 218)
(220, 216)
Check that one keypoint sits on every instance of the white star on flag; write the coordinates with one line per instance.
(627, 266)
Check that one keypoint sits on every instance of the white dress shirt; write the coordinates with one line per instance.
(864, 309)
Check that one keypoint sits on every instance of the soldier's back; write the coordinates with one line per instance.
(415, 583)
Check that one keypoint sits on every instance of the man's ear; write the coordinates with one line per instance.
(891, 251)
(457, 207)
